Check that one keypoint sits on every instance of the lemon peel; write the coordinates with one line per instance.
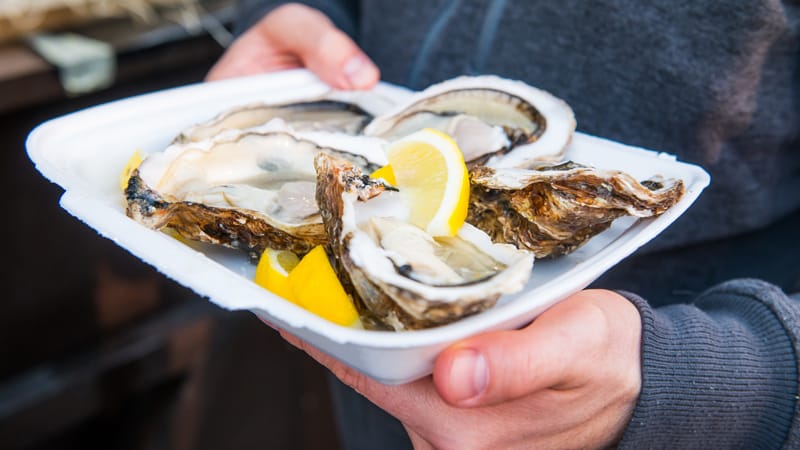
(316, 288)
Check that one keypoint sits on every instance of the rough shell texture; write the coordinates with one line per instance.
(555, 209)
(241, 229)
(537, 125)
(382, 302)
(189, 188)
(314, 115)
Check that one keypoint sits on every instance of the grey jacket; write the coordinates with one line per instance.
(714, 82)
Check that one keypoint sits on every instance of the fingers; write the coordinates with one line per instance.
(320, 46)
(402, 401)
(250, 55)
(495, 367)
(561, 349)
(292, 36)
(346, 374)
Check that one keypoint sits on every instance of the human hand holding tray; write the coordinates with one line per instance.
(85, 152)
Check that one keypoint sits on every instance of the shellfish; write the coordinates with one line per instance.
(252, 191)
(495, 121)
(553, 209)
(401, 277)
(313, 115)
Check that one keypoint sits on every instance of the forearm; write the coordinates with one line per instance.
(343, 13)
(721, 373)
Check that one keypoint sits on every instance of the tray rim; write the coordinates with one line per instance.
(78, 197)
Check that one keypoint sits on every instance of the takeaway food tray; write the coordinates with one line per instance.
(85, 152)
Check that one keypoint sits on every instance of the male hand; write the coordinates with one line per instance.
(292, 36)
(570, 379)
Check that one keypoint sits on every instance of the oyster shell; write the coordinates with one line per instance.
(315, 115)
(252, 191)
(495, 121)
(401, 277)
(552, 210)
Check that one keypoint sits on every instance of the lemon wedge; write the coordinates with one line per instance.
(433, 179)
(272, 271)
(387, 173)
(130, 166)
(316, 288)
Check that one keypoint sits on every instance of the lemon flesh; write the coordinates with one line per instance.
(316, 288)
(272, 272)
(433, 180)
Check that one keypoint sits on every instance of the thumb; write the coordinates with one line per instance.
(551, 352)
(495, 367)
(322, 47)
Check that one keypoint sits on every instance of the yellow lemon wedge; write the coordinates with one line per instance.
(316, 288)
(387, 173)
(272, 271)
(433, 179)
(130, 166)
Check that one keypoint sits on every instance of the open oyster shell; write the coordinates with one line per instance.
(495, 121)
(314, 115)
(399, 276)
(554, 209)
(249, 191)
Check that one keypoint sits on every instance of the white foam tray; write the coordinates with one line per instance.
(84, 153)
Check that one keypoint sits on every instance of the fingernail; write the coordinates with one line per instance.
(469, 375)
(360, 72)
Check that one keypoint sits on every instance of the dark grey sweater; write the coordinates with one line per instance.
(716, 83)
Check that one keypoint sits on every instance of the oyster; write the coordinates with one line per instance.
(488, 117)
(553, 209)
(252, 191)
(315, 115)
(401, 277)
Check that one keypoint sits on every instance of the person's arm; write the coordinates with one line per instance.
(292, 35)
(721, 373)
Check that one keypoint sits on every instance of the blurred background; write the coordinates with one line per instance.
(98, 350)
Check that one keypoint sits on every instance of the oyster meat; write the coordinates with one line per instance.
(252, 191)
(553, 209)
(315, 115)
(401, 277)
(495, 121)
(294, 176)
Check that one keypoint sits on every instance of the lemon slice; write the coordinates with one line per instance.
(387, 173)
(432, 177)
(272, 272)
(316, 288)
(130, 166)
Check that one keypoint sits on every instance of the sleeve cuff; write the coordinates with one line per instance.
(721, 373)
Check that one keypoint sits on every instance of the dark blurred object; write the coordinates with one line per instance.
(101, 351)
(21, 17)
(141, 48)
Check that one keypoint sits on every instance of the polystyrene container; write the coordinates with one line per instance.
(85, 152)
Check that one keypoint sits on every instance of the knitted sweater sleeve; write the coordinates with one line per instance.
(343, 13)
(721, 373)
